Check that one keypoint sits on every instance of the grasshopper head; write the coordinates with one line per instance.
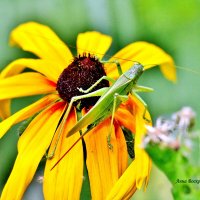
(134, 72)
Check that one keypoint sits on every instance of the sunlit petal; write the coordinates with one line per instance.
(65, 180)
(42, 41)
(94, 43)
(32, 146)
(48, 68)
(122, 150)
(102, 162)
(142, 161)
(147, 54)
(138, 171)
(26, 113)
(26, 84)
(125, 186)
(4, 109)
(125, 118)
(5, 106)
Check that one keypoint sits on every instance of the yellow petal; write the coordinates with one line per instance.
(125, 118)
(26, 84)
(142, 161)
(48, 68)
(65, 180)
(122, 150)
(4, 109)
(42, 41)
(138, 171)
(102, 162)
(5, 106)
(45, 67)
(125, 186)
(26, 113)
(32, 146)
(168, 71)
(94, 43)
(138, 110)
(147, 54)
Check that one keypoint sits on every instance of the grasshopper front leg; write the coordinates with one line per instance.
(139, 88)
(117, 64)
(117, 97)
(104, 77)
(95, 84)
(142, 89)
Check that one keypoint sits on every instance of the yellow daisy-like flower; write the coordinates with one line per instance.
(109, 174)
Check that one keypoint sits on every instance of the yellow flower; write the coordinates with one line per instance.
(109, 174)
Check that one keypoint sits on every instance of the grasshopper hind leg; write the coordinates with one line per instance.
(59, 131)
(66, 114)
(117, 64)
(96, 83)
(144, 104)
(117, 97)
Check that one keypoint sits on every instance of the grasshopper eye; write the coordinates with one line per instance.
(83, 72)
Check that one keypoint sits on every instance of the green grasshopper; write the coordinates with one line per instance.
(107, 105)
(109, 101)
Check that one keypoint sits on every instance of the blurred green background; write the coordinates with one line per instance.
(173, 25)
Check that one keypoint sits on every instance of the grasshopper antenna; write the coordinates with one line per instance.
(189, 70)
(69, 149)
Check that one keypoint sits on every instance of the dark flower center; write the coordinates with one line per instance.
(83, 72)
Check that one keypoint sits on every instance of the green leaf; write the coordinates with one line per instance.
(180, 166)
